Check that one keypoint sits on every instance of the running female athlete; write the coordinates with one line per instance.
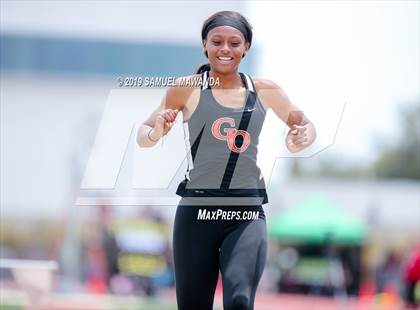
(222, 123)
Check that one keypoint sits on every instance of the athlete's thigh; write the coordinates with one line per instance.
(196, 259)
(242, 258)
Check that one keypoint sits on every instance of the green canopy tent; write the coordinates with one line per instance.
(317, 220)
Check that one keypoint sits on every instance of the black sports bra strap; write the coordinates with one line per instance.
(243, 125)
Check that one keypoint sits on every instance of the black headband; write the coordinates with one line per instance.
(225, 21)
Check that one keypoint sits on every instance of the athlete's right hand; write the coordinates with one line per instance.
(164, 122)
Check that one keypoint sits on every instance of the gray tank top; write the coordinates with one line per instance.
(222, 147)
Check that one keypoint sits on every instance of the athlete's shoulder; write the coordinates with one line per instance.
(270, 93)
(264, 84)
(189, 81)
(185, 84)
(178, 94)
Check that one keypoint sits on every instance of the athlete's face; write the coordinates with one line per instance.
(225, 46)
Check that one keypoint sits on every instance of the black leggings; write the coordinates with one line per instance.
(236, 247)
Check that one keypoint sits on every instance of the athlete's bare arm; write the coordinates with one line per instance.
(160, 122)
(302, 132)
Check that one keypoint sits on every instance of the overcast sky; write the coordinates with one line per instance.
(326, 53)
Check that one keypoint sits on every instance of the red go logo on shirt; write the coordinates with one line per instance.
(230, 134)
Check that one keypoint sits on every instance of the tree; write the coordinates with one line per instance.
(402, 160)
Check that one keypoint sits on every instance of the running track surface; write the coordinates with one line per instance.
(166, 301)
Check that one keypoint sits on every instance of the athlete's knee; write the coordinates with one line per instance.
(239, 302)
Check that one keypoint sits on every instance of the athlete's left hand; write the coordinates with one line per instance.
(297, 138)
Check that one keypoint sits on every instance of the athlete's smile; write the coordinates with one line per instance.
(225, 59)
